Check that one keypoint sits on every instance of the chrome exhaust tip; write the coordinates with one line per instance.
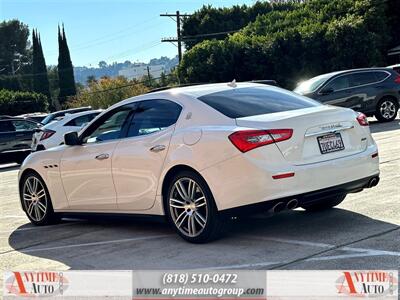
(292, 204)
(278, 207)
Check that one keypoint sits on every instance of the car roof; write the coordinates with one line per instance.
(357, 70)
(67, 117)
(11, 118)
(197, 91)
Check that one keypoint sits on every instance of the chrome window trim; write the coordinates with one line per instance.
(356, 86)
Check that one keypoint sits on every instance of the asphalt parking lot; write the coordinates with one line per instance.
(362, 233)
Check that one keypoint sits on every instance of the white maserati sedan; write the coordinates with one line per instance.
(202, 154)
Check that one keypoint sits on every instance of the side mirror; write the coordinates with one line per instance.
(72, 139)
(327, 91)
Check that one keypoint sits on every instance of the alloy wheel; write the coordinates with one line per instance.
(35, 198)
(188, 207)
(387, 109)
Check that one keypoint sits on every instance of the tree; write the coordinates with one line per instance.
(17, 102)
(15, 54)
(304, 40)
(39, 69)
(107, 91)
(65, 69)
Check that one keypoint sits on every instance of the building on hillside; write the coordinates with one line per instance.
(138, 71)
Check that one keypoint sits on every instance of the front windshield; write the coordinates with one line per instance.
(312, 84)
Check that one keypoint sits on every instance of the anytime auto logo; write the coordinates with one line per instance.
(36, 284)
(367, 283)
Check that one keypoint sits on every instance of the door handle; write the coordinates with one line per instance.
(157, 148)
(102, 156)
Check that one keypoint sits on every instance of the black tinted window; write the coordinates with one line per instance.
(245, 102)
(379, 76)
(82, 120)
(339, 83)
(21, 125)
(109, 126)
(152, 116)
(362, 78)
(6, 126)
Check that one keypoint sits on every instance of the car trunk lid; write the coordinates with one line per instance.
(318, 133)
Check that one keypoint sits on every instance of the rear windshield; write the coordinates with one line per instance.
(246, 102)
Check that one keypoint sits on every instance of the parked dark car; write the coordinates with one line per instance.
(59, 114)
(15, 138)
(36, 117)
(372, 91)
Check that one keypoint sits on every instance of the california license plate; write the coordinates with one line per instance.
(330, 143)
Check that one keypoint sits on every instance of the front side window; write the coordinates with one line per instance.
(109, 126)
(312, 84)
(152, 116)
(21, 125)
(6, 126)
(251, 101)
(339, 83)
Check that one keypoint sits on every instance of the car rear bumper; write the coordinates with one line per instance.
(306, 198)
(248, 178)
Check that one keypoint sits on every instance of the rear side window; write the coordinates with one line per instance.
(21, 125)
(80, 121)
(246, 102)
(362, 78)
(379, 76)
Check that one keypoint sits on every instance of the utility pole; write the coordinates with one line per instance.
(148, 75)
(178, 39)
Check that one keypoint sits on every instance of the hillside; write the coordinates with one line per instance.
(111, 70)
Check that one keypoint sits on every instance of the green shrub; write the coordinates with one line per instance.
(16, 103)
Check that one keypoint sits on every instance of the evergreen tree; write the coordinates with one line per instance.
(65, 69)
(39, 69)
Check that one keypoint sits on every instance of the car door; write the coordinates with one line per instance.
(7, 136)
(337, 92)
(86, 169)
(24, 131)
(138, 159)
(364, 89)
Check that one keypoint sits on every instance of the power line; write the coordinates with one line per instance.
(178, 39)
(106, 38)
(119, 55)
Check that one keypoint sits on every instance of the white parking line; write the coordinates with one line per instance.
(290, 241)
(261, 264)
(13, 217)
(95, 243)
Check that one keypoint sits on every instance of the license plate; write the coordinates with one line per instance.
(330, 143)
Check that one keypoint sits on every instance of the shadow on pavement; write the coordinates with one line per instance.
(376, 126)
(127, 243)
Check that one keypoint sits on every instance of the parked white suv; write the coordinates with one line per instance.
(52, 134)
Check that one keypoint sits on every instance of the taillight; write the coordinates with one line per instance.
(397, 79)
(362, 119)
(246, 140)
(46, 134)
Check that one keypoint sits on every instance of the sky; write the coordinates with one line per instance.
(109, 30)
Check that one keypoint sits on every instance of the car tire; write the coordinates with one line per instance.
(190, 208)
(36, 201)
(386, 109)
(324, 204)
